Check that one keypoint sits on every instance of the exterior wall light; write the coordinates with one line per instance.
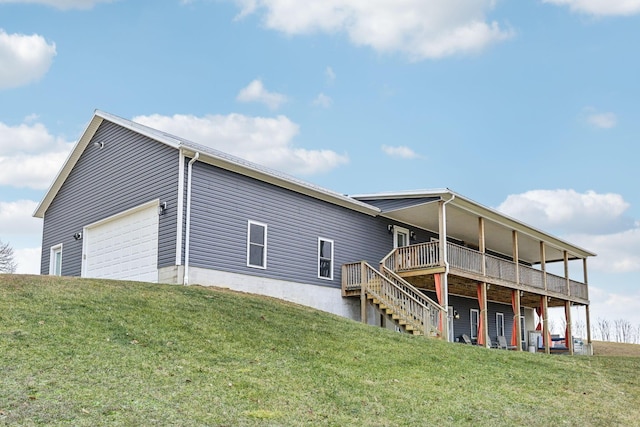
(77, 236)
(99, 144)
(162, 207)
(390, 228)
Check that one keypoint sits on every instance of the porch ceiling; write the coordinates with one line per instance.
(462, 224)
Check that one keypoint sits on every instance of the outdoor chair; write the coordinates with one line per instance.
(502, 343)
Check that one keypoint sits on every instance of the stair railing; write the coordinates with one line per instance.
(405, 301)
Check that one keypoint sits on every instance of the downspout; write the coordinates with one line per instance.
(185, 279)
(445, 258)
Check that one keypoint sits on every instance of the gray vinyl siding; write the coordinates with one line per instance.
(464, 305)
(130, 170)
(223, 202)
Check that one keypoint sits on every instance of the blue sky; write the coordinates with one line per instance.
(530, 107)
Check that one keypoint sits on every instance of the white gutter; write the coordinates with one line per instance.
(185, 279)
(445, 258)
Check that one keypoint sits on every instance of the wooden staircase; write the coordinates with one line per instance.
(393, 296)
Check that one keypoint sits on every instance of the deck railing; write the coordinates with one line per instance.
(427, 255)
(407, 302)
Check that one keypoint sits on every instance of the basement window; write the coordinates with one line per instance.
(55, 260)
(257, 245)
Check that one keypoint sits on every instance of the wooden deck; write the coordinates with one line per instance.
(467, 267)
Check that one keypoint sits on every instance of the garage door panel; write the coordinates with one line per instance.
(124, 247)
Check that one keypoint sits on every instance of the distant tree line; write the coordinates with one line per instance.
(619, 330)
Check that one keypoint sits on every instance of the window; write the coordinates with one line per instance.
(400, 237)
(256, 245)
(325, 258)
(55, 260)
(475, 319)
(500, 324)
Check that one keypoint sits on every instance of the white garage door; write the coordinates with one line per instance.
(124, 246)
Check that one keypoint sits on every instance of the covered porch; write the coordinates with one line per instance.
(476, 252)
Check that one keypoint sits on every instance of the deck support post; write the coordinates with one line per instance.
(545, 325)
(518, 329)
(568, 333)
(586, 307)
(363, 293)
(586, 282)
(483, 313)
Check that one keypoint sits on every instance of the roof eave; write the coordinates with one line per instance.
(289, 183)
(71, 160)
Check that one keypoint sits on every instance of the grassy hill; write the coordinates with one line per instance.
(95, 352)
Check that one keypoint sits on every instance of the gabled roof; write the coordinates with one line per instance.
(208, 155)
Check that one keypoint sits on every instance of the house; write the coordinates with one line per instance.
(135, 203)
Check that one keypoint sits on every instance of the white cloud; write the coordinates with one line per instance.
(590, 220)
(401, 151)
(603, 120)
(30, 156)
(266, 141)
(28, 260)
(612, 306)
(62, 4)
(23, 59)
(330, 74)
(256, 92)
(568, 211)
(322, 100)
(420, 29)
(15, 218)
(600, 7)
(617, 252)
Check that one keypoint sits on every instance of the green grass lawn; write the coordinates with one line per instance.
(94, 352)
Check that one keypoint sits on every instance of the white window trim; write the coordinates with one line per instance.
(322, 239)
(499, 323)
(474, 331)
(52, 266)
(264, 255)
(396, 231)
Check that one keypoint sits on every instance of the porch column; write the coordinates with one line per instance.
(517, 327)
(363, 293)
(586, 282)
(482, 245)
(516, 255)
(442, 231)
(568, 335)
(545, 325)
(482, 302)
(566, 271)
(543, 265)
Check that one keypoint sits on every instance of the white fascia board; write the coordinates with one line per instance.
(68, 165)
(413, 194)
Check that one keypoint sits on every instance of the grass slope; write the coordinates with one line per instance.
(94, 352)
